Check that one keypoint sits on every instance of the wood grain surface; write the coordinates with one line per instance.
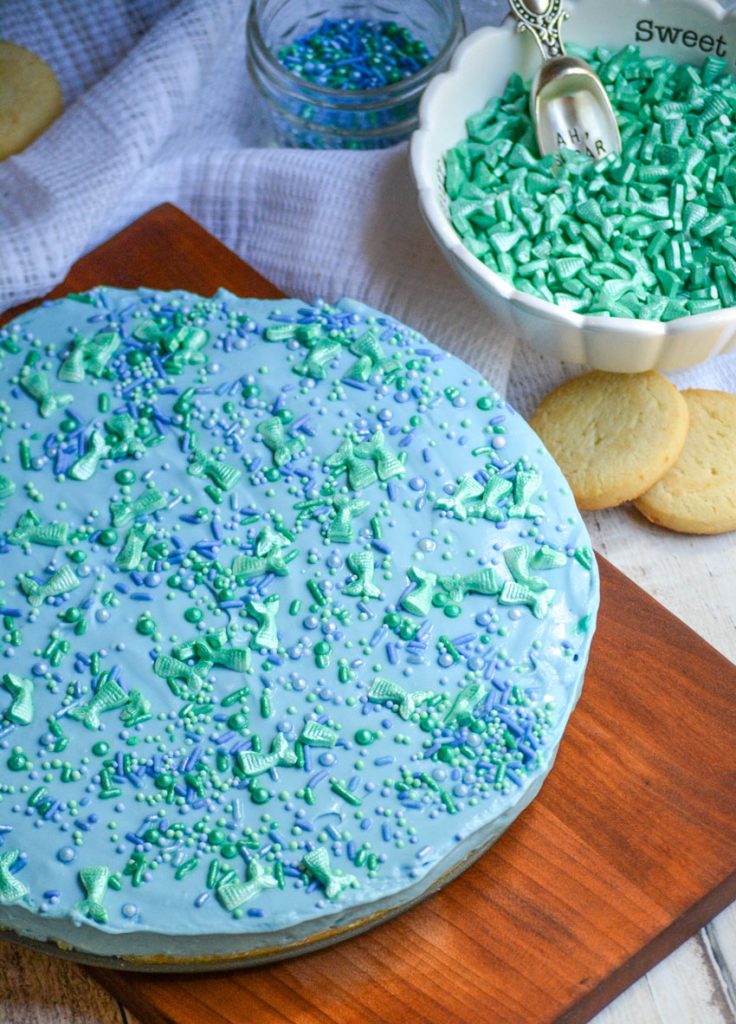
(628, 850)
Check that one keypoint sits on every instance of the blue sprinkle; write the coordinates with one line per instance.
(378, 636)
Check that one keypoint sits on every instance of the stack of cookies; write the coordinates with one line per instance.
(635, 437)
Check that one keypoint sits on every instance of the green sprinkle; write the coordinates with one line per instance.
(316, 591)
(36, 796)
(341, 790)
(448, 802)
(184, 869)
(364, 737)
(25, 454)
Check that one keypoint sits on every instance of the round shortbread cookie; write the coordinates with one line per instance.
(30, 97)
(614, 435)
(698, 495)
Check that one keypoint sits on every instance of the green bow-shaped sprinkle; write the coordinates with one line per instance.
(12, 890)
(371, 358)
(252, 763)
(124, 512)
(60, 582)
(72, 369)
(222, 475)
(86, 466)
(234, 894)
(419, 600)
(214, 648)
(485, 581)
(20, 711)
(100, 351)
(172, 669)
(91, 354)
(137, 537)
(124, 442)
(187, 342)
(519, 561)
(319, 358)
(94, 882)
(526, 588)
(361, 563)
(360, 473)
(462, 707)
(343, 509)
(467, 490)
(265, 612)
(283, 448)
(31, 530)
(386, 463)
(382, 691)
(183, 345)
(497, 488)
(137, 710)
(267, 557)
(526, 484)
(341, 528)
(516, 593)
(37, 387)
(334, 883)
(7, 488)
(316, 734)
(546, 557)
(108, 695)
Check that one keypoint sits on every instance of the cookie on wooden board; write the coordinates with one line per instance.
(698, 495)
(30, 97)
(614, 435)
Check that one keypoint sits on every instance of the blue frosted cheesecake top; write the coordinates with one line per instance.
(293, 603)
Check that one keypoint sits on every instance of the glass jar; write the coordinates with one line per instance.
(303, 113)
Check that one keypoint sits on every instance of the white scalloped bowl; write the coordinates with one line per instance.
(480, 68)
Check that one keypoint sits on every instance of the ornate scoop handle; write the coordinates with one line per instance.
(545, 25)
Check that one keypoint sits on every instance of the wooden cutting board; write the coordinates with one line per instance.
(630, 848)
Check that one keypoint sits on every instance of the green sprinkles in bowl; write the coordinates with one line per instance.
(648, 234)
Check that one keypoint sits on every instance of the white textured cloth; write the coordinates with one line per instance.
(159, 108)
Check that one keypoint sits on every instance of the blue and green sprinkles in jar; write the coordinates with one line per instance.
(355, 54)
(647, 234)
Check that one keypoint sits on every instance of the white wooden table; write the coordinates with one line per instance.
(695, 577)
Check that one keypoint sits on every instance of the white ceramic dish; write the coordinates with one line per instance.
(479, 70)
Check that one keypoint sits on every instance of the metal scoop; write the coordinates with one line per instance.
(569, 104)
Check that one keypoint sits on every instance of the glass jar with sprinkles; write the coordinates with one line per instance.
(349, 75)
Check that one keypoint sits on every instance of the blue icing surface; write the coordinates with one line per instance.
(295, 611)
